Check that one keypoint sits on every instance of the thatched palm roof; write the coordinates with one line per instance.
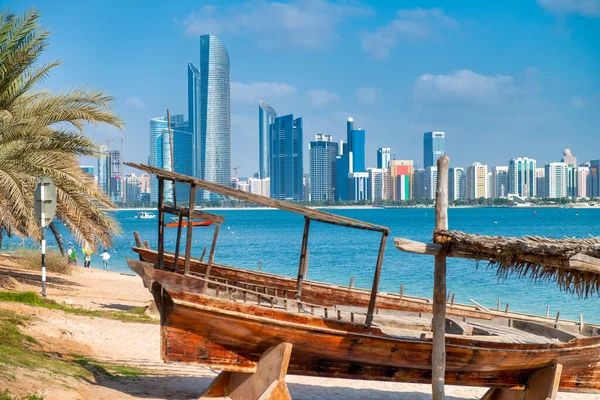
(573, 263)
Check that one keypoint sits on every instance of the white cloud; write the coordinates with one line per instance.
(307, 24)
(415, 24)
(586, 8)
(467, 86)
(321, 97)
(256, 91)
(368, 96)
(135, 102)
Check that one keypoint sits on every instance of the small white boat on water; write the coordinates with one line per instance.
(146, 215)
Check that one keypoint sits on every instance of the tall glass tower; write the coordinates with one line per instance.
(323, 153)
(286, 158)
(212, 141)
(194, 114)
(266, 116)
(434, 146)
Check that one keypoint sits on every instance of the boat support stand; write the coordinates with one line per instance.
(268, 382)
(542, 385)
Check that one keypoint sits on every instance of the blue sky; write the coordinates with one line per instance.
(503, 79)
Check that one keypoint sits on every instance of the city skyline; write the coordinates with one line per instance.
(537, 85)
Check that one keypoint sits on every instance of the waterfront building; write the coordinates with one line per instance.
(456, 183)
(343, 166)
(521, 177)
(255, 185)
(376, 186)
(430, 182)
(593, 186)
(194, 113)
(133, 188)
(499, 182)
(103, 181)
(265, 188)
(434, 146)
(357, 185)
(572, 178)
(349, 128)
(419, 184)
(356, 145)
(569, 158)
(243, 185)
(286, 160)
(401, 175)
(145, 184)
(306, 185)
(556, 179)
(583, 172)
(160, 156)
(476, 181)
(323, 153)
(115, 182)
(540, 182)
(212, 141)
(383, 157)
(182, 154)
(266, 116)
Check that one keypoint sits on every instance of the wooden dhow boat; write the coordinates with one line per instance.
(238, 329)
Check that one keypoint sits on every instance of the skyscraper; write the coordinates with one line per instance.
(115, 178)
(343, 167)
(593, 186)
(266, 116)
(323, 152)
(356, 145)
(540, 182)
(212, 141)
(194, 112)
(286, 168)
(434, 146)
(521, 177)
(476, 181)
(583, 172)
(376, 184)
(556, 179)
(160, 156)
(456, 183)
(383, 157)
(499, 182)
(103, 181)
(401, 179)
(182, 154)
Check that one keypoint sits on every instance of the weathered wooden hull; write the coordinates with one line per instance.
(230, 335)
(330, 295)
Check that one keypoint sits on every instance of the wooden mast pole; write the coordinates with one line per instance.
(438, 355)
(302, 259)
(373, 299)
(161, 223)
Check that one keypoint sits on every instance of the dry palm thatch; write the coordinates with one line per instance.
(41, 134)
(542, 259)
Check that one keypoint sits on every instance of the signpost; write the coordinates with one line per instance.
(44, 204)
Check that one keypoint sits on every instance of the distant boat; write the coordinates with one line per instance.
(145, 215)
(174, 223)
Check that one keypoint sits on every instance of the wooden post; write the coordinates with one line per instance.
(548, 311)
(177, 244)
(211, 257)
(401, 289)
(351, 285)
(203, 253)
(260, 266)
(373, 299)
(138, 240)
(146, 245)
(190, 227)
(302, 258)
(161, 223)
(438, 356)
(580, 322)
(498, 308)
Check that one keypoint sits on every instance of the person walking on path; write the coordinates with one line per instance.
(105, 257)
(73, 257)
(87, 260)
(69, 254)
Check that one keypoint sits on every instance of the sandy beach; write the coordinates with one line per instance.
(137, 344)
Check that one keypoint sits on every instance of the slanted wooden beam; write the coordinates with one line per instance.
(438, 355)
(583, 262)
(211, 256)
(190, 228)
(375, 288)
(194, 213)
(303, 251)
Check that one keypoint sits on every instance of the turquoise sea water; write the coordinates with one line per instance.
(337, 254)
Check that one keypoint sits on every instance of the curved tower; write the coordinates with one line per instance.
(266, 116)
(213, 141)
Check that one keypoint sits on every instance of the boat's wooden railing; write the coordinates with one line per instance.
(274, 300)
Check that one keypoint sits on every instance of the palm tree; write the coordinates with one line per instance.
(41, 134)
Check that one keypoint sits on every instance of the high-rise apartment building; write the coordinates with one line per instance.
(182, 154)
(212, 135)
(593, 185)
(358, 185)
(572, 178)
(419, 184)
(556, 179)
(477, 181)
(540, 182)
(115, 180)
(323, 153)
(521, 177)
(401, 179)
(286, 158)
(456, 183)
(376, 184)
(103, 180)
(430, 182)
(343, 167)
(266, 116)
(160, 156)
(434, 146)
(383, 157)
(133, 188)
(583, 172)
(356, 145)
(499, 182)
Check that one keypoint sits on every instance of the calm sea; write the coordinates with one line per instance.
(337, 254)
